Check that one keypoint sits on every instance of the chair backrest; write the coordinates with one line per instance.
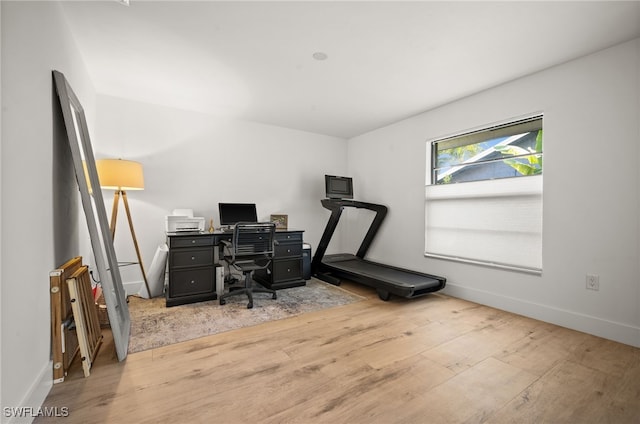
(253, 239)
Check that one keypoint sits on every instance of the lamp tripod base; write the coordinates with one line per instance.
(112, 227)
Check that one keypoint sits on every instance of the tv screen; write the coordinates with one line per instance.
(338, 187)
(232, 213)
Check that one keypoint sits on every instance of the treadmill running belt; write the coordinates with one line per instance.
(381, 272)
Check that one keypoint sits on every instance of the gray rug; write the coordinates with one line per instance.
(154, 325)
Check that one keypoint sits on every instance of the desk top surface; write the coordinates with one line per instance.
(222, 233)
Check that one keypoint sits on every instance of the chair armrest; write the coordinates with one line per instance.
(227, 252)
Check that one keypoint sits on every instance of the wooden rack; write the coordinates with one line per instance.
(65, 335)
(64, 342)
(85, 315)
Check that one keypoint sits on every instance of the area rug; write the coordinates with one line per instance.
(154, 325)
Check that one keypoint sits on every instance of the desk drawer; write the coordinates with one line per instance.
(195, 241)
(282, 237)
(286, 270)
(288, 250)
(191, 282)
(191, 257)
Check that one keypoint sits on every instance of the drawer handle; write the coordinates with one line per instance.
(193, 241)
(193, 258)
(288, 269)
(193, 281)
(288, 250)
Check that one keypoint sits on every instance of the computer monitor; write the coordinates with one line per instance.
(338, 187)
(232, 213)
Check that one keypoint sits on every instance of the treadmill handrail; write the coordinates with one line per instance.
(336, 206)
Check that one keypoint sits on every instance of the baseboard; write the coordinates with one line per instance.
(611, 330)
(33, 400)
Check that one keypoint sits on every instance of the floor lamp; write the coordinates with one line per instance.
(122, 175)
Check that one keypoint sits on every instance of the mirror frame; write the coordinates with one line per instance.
(95, 213)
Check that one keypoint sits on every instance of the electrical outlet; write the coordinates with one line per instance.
(593, 282)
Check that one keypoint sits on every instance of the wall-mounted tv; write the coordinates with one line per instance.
(338, 187)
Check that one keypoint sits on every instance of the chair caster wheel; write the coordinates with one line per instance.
(222, 301)
(275, 296)
(250, 305)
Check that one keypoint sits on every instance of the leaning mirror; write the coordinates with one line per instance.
(95, 212)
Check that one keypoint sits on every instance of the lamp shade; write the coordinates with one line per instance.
(119, 174)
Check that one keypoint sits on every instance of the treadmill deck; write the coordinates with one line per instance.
(395, 280)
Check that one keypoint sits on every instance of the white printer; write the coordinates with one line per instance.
(183, 220)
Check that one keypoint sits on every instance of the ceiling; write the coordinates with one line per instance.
(385, 61)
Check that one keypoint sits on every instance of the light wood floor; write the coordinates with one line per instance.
(433, 359)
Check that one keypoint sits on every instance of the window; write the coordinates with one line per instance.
(483, 199)
(510, 150)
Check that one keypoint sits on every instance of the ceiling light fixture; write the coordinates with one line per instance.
(320, 56)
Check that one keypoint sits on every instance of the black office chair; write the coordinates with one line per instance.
(251, 249)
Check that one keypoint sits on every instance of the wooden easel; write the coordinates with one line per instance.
(64, 341)
(85, 315)
(75, 326)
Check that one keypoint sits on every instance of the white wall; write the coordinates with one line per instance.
(193, 160)
(1, 403)
(591, 192)
(39, 217)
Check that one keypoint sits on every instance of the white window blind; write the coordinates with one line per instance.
(495, 222)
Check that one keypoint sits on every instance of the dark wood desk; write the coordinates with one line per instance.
(194, 256)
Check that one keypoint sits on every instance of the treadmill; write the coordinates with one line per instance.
(386, 279)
